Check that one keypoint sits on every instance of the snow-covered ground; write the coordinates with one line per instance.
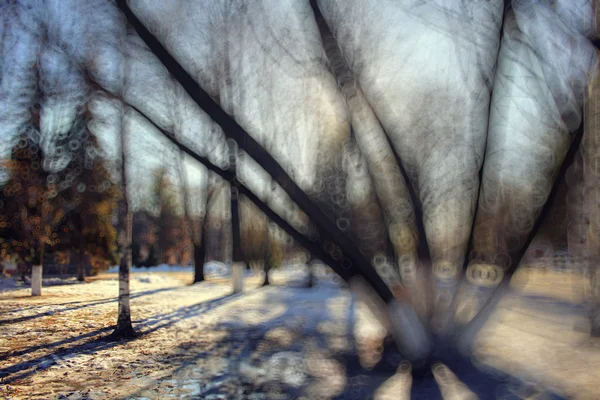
(210, 268)
(279, 342)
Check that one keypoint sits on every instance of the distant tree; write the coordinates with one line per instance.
(253, 232)
(65, 199)
(32, 205)
(93, 196)
(172, 235)
(195, 226)
(145, 237)
(275, 251)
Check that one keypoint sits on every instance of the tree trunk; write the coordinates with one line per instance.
(310, 282)
(22, 266)
(36, 273)
(595, 303)
(199, 256)
(81, 261)
(591, 180)
(360, 265)
(124, 329)
(237, 257)
(198, 245)
(266, 269)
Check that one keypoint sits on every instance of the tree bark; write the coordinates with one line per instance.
(267, 268)
(267, 264)
(237, 256)
(81, 262)
(37, 272)
(124, 329)
(235, 211)
(199, 256)
(310, 282)
(595, 301)
(198, 244)
(591, 204)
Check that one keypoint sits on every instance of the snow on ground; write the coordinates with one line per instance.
(279, 342)
(211, 269)
(8, 284)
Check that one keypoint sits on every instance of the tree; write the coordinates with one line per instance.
(32, 206)
(237, 256)
(233, 130)
(196, 235)
(124, 328)
(590, 206)
(274, 252)
(145, 237)
(93, 196)
(253, 232)
(172, 236)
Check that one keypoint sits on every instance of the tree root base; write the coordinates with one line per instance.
(122, 333)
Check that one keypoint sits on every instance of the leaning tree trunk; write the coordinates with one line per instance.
(542, 73)
(411, 336)
(440, 147)
(124, 327)
(591, 202)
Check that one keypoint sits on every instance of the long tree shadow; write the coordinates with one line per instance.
(82, 304)
(46, 282)
(244, 347)
(250, 351)
(249, 347)
(154, 322)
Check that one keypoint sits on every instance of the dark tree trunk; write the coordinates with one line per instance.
(198, 243)
(267, 268)
(81, 261)
(199, 257)
(310, 282)
(235, 213)
(360, 265)
(591, 153)
(42, 248)
(22, 270)
(595, 298)
(595, 321)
